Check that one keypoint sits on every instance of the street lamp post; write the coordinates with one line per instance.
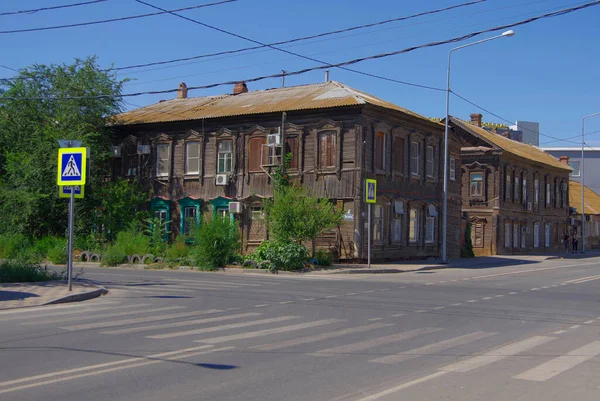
(445, 202)
(583, 180)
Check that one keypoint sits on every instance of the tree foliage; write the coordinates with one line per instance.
(29, 130)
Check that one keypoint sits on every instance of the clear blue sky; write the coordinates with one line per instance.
(548, 72)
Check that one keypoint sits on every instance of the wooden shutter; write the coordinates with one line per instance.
(254, 148)
(327, 149)
(398, 154)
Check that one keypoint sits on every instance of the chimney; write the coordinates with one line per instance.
(240, 87)
(564, 159)
(326, 75)
(476, 119)
(182, 91)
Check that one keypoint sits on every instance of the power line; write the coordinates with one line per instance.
(341, 64)
(353, 28)
(8, 68)
(35, 10)
(48, 28)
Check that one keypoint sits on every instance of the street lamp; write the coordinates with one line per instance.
(582, 180)
(445, 204)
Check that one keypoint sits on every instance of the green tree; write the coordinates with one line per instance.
(120, 206)
(29, 130)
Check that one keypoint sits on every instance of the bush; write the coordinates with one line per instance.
(13, 246)
(132, 242)
(58, 253)
(282, 255)
(93, 243)
(178, 249)
(113, 256)
(323, 257)
(216, 244)
(22, 272)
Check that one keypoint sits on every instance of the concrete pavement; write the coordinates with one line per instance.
(20, 295)
(518, 331)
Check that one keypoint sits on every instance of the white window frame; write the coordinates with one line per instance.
(167, 161)
(226, 156)
(536, 191)
(188, 158)
(378, 228)
(524, 192)
(414, 225)
(536, 235)
(575, 173)
(481, 182)
(415, 159)
(507, 234)
(452, 168)
(429, 228)
(547, 234)
(429, 166)
(548, 193)
(508, 187)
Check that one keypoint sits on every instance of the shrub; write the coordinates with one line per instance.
(113, 256)
(58, 253)
(159, 235)
(216, 244)
(178, 249)
(20, 272)
(282, 255)
(13, 246)
(323, 257)
(92, 243)
(132, 242)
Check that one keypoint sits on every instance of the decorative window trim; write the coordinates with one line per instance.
(416, 223)
(317, 129)
(418, 153)
(428, 162)
(189, 202)
(186, 144)
(159, 204)
(452, 168)
(225, 134)
(166, 174)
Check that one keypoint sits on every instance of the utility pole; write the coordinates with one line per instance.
(283, 78)
(283, 119)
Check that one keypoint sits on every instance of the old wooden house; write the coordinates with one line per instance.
(214, 155)
(515, 195)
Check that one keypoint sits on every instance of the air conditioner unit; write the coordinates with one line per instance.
(222, 179)
(235, 207)
(116, 151)
(273, 139)
(564, 186)
(529, 206)
(143, 149)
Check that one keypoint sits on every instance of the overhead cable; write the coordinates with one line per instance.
(35, 10)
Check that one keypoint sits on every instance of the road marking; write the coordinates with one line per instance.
(498, 296)
(420, 311)
(286, 302)
(368, 292)
(561, 364)
(403, 386)
(266, 332)
(331, 296)
(535, 289)
(350, 293)
(590, 322)
(308, 299)
(432, 348)
(129, 321)
(582, 279)
(375, 319)
(223, 327)
(403, 314)
(181, 324)
(113, 369)
(102, 315)
(187, 281)
(385, 289)
(544, 287)
(512, 293)
(230, 309)
(575, 326)
(487, 298)
(44, 309)
(521, 271)
(439, 307)
(374, 342)
(554, 285)
(261, 305)
(497, 354)
(472, 300)
(70, 312)
(323, 336)
(149, 289)
(560, 331)
(456, 304)
(429, 283)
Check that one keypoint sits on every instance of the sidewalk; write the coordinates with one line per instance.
(20, 295)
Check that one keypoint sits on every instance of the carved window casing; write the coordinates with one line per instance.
(194, 153)
(328, 147)
(478, 233)
(163, 148)
(226, 151)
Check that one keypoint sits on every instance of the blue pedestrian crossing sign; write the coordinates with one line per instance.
(64, 191)
(71, 166)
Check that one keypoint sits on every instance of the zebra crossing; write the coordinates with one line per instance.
(255, 330)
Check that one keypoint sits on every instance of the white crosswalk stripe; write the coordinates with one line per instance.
(35, 313)
(374, 342)
(149, 289)
(266, 332)
(102, 315)
(433, 348)
(562, 363)
(45, 308)
(497, 355)
(223, 327)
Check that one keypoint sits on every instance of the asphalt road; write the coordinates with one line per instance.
(523, 332)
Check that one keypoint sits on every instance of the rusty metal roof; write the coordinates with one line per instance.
(305, 97)
(516, 148)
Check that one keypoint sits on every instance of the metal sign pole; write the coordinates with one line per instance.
(70, 240)
(369, 237)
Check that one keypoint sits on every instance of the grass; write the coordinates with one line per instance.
(12, 271)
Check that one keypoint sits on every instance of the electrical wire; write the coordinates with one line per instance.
(9, 68)
(35, 10)
(340, 64)
(48, 28)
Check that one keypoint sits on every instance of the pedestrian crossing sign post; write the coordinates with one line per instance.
(72, 166)
(370, 197)
(64, 191)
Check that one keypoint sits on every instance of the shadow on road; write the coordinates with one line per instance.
(16, 295)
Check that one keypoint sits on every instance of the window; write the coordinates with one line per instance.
(192, 158)
(429, 161)
(291, 146)
(224, 156)
(524, 190)
(397, 228)
(398, 154)
(560, 195)
(575, 166)
(547, 235)
(162, 160)
(452, 168)
(430, 224)
(190, 215)
(380, 151)
(161, 215)
(326, 149)
(415, 158)
(413, 229)
(507, 234)
(131, 161)
(222, 211)
(476, 184)
(254, 154)
(477, 235)
(508, 187)
(536, 191)
(517, 188)
(548, 193)
(257, 213)
(516, 229)
(378, 223)
(536, 235)
(524, 236)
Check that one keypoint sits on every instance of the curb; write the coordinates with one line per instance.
(79, 297)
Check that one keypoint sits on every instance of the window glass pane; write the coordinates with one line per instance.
(224, 156)
(452, 168)
(397, 229)
(193, 149)
(398, 154)
(192, 157)
(380, 151)
(575, 166)
(413, 232)
(225, 146)
(162, 162)
(414, 158)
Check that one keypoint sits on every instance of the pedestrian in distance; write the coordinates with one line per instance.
(566, 242)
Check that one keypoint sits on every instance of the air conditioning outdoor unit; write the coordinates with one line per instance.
(273, 139)
(116, 151)
(221, 179)
(529, 206)
(235, 207)
(143, 149)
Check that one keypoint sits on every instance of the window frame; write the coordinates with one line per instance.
(380, 151)
(517, 185)
(222, 155)
(547, 234)
(158, 160)
(452, 168)
(481, 184)
(536, 235)
(523, 236)
(536, 191)
(508, 187)
(378, 224)
(572, 173)
(429, 227)
(429, 161)
(252, 143)
(508, 234)
(187, 157)
(524, 193)
(292, 142)
(414, 225)
(548, 194)
(415, 158)
(398, 158)
(333, 149)
(516, 234)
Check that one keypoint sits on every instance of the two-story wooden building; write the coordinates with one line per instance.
(515, 195)
(214, 155)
